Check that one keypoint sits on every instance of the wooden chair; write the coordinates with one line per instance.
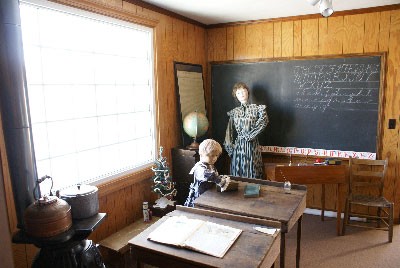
(366, 181)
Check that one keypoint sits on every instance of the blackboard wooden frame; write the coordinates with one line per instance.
(382, 85)
(193, 68)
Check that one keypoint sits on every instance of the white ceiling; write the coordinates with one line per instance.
(224, 11)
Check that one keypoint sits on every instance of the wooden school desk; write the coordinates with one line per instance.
(322, 174)
(273, 204)
(251, 249)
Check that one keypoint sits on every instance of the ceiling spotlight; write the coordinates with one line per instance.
(325, 8)
(313, 2)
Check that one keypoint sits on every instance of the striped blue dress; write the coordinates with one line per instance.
(241, 142)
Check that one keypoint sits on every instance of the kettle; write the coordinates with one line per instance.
(48, 215)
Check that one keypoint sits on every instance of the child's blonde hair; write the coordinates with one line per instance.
(209, 146)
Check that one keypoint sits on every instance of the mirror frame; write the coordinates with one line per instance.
(193, 68)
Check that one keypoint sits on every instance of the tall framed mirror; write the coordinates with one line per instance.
(189, 86)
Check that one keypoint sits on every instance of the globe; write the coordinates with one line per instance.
(195, 124)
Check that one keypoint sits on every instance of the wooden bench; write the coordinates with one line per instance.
(115, 248)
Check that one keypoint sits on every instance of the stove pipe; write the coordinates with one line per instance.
(15, 109)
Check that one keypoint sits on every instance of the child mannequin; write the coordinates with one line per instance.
(204, 171)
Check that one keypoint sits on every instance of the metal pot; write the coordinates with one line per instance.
(47, 216)
(83, 199)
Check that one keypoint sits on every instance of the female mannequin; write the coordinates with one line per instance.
(241, 142)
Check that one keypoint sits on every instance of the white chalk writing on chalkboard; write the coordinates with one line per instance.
(336, 86)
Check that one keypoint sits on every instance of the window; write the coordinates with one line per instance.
(90, 86)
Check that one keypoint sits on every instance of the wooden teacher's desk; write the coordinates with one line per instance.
(312, 174)
(251, 249)
(272, 204)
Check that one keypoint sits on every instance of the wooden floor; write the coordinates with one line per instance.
(359, 248)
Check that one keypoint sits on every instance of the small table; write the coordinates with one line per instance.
(251, 249)
(321, 174)
(273, 204)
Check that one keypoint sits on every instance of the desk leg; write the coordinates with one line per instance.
(340, 197)
(282, 253)
(323, 203)
(298, 241)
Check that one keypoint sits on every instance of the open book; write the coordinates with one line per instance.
(202, 236)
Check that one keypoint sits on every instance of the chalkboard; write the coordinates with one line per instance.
(320, 103)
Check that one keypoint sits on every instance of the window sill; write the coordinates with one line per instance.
(123, 180)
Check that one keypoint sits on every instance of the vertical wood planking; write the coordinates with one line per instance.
(267, 40)
(335, 35)
(297, 41)
(287, 39)
(254, 41)
(210, 44)
(239, 42)
(277, 39)
(323, 35)
(391, 136)
(220, 44)
(229, 43)
(371, 34)
(384, 28)
(309, 37)
(353, 34)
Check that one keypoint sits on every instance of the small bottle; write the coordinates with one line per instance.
(287, 186)
(146, 214)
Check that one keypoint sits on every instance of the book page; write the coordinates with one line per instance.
(175, 230)
(213, 239)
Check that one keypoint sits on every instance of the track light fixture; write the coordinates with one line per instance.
(325, 6)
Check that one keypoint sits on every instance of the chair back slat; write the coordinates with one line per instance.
(367, 174)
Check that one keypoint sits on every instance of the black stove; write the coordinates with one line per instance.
(70, 249)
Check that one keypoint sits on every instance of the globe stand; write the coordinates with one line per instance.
(194, 145)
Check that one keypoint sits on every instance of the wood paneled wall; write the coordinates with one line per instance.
(374, 31)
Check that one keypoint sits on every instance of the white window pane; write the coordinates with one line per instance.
(142, 96)
(126, 74)
(125, 99)
(29, 19)
(36, 104)
(89, 93)
(126, 127)
(86, 134)
(33, 64)
(41, 145)
(109, 159)
(57, 66)
(108, 130)
(144, 124)
(64, 171)
(43, 167)
(140, 73)
(88, 164)
(105, 69)
(82, 71)
(141, 49)
(59, 100)
(145, 147)
(84, 101)
(106, 98)
(127, 153)
(61, 138)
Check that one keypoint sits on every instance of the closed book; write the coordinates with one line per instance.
(252, 190)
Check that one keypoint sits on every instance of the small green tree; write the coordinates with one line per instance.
(163, 184)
